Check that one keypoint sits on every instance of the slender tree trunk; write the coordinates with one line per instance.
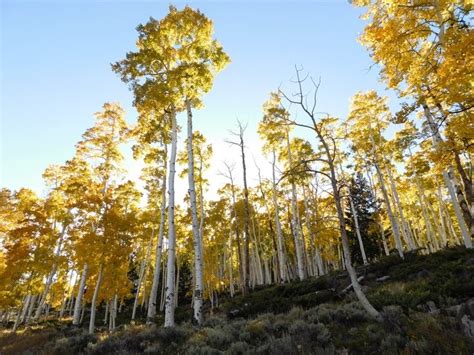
(294, 219)
(231, 273)
(113, 313)
(21, 315)
(309, 226)
(159, 252)
(197, 238)
(142, 276)
(280, 244)
(170, 277)
(270, 224)
(429, 228)
(163, 284)
(30, 310)
(393, 220)
(319, 259)
(468, 205)
(448, 177)
(106, 313)
(409, 237)
(139, 286)
(83, 311)
(63, 307)
(94, 301)
(80, 294)
(257, 260)
(246, 217)
(437, 225)
(447, 219)
(236, 228)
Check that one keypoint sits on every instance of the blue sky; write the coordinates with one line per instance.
(55, 70)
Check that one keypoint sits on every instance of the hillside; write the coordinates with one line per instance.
(427, 302)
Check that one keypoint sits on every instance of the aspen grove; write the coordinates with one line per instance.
(336, 192)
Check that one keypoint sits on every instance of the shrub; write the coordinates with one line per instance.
(74, 344)
(284, 345)
(257, 328)
(218, 338)
(350, 313)
(238, 348)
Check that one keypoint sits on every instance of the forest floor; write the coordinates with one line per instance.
(427, 302)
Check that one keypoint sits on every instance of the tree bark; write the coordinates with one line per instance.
(197, 238)
(409, 237)
(294, 216)
(170, 277)
(80, 293)
(159, 252)
(281, 254)
(448, 177)
(94, 301)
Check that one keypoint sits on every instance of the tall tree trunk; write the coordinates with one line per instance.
(30, 310)
(143, 276)
(246, 215)
(409, 237)
(280, 244)
(170, 277)
(309, 225)
(391, 216)
(468, 204)
(159, 252)
(94, 300)
(318, 256)
(294, 216)
(270, 224)
(197, 241)
(80, 293)
(106, 313)
(449, 177)
(393, 220)
(21, 315)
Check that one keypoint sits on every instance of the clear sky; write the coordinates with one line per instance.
(55, 70)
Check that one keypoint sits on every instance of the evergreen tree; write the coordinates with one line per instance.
(366, 208)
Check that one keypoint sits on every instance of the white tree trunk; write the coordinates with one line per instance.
(280, 241)
(393, 220)
(141, 275)
(197, 238)
(409, 237)
(94, 301)
(448, 177)
(21, 315)
(159, 253)
(170, 277)
(294, 218)
(80, 293)
(30, 310)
